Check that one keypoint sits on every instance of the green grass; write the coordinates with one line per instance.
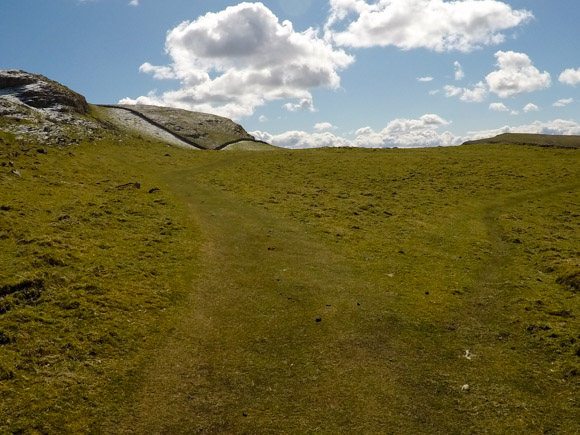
(89, 264)
(471, 248)
(250, 146)
(543, 140)
(208, 131)
(194, 307)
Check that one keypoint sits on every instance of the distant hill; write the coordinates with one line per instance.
(36, 110)
(542, 140)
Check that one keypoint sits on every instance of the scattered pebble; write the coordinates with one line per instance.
(465, 387)
(318, 319)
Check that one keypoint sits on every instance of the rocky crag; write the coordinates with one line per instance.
(36, 110)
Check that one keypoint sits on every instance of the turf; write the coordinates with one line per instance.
(542, 140)
(377, 291)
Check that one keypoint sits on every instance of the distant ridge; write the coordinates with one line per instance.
(37, 110)
(540, 140)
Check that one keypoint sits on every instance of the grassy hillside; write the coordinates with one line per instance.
(208, 131)
(147, 289)
(90, 263)
(542, 140)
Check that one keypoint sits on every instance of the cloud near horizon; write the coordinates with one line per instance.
(409, 133)
(556, 126)
(233, 61)
(403, 133)
(432, 24)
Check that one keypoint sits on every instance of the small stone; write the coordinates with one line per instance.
(41, 151)
(465, 387)
(155, 189)
(318, 319)
(15, 172)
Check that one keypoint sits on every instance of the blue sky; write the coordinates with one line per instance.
(303, 73)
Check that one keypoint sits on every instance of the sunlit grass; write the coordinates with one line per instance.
(410, 258)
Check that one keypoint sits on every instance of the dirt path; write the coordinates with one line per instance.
(282, 335)
(249, 354)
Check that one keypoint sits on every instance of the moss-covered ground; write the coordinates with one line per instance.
(333, 291)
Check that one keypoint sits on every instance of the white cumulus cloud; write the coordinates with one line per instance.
(516, 75)
(563, 102)
(570, 76)
(432, 24)
(233, 61)
(459, 74)
(159, 72)
(498, 107)
(530, 107)
(324, 126)
(404, 133)
(134, 3)
(475, 95)
(304, 104)
(302, 139)
(425, 79)
(557, 126)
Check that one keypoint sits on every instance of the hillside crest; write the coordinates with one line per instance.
(37, 110)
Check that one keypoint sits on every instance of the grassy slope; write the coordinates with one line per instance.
(445, 250)
(209, 131)
(543, 140)
(250, 146)
(88, 267)
(410, 258)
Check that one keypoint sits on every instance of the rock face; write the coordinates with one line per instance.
(38, 92)
(39, 110)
